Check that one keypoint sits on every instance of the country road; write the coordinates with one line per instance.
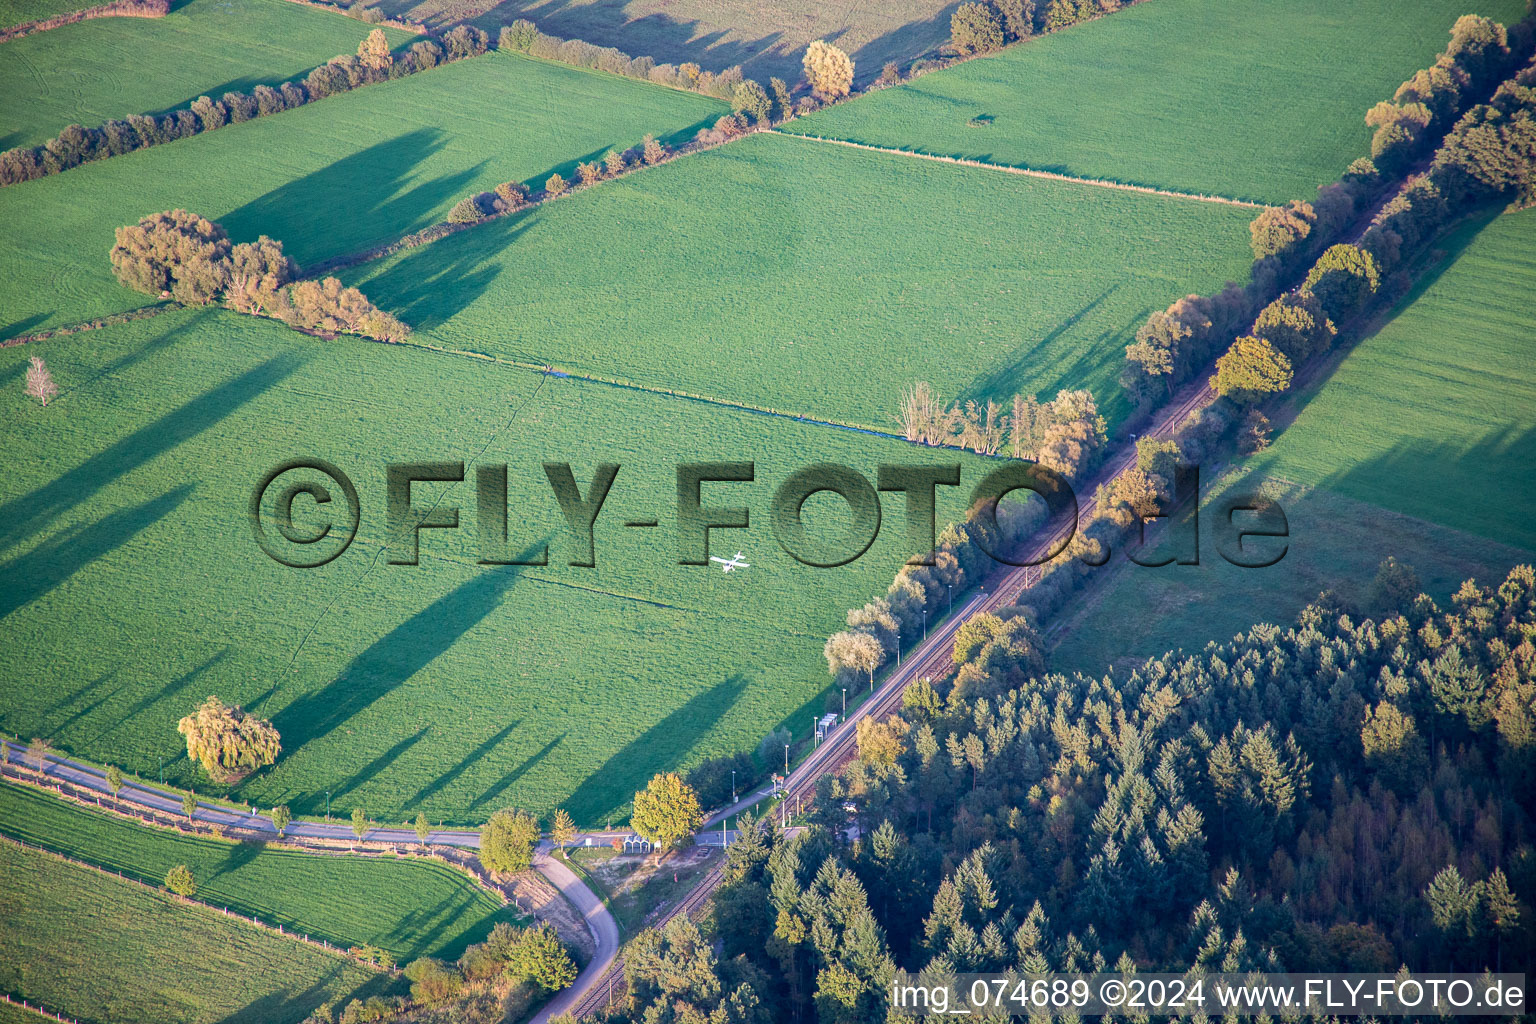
(601, 923)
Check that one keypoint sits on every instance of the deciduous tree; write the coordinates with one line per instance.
(562, 832)
(666, 811)
(828, 70)
(281, 817)
(180, 881)
(228, 742)
(40, 383)
(507, 841)
(975, 28)
(1250, 369)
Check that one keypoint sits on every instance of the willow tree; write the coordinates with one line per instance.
(229, 743)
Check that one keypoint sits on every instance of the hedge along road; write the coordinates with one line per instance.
(604, 929)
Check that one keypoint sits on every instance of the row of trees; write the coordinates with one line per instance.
(1174, 343)
(1065, 434)
(986, 25)
(116, 9)
(524, 36)
(512, 195)
(1349, 794)
(191, 259)
(1488, 156)
(373, 62)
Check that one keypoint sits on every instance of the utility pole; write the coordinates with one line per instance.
(786, 763)
(733, 785)
(845, 703)
(327, 805)
(951, 598)
(162, 769)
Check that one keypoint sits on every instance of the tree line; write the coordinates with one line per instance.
(373, 62)
(1487, 156)
(190, 259)
(115, 9)
(987, 25)
(1352, 793)
(1175, 343)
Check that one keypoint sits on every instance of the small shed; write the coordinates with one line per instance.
(637, 844)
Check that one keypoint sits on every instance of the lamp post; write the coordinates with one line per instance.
(786, 765)
(925, 620)
(951, 597)
(733, 785)
(327, 805)
(845, 703)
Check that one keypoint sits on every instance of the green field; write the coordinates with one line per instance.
(100, 949)
(1422, 445)
(334, 177)
(410, 907)
(447, 687)
(1254, 99)
(93, 71)
(821, 279)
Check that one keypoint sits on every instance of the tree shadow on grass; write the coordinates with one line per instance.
(429, 285)
(508, 779)
(241, 854)
(1008, 376)
(366, 198)
(21, 517)
(398, 655)
(660, 748)
(37, 572)
(296, 1006)
(447, 779)
(378, 764)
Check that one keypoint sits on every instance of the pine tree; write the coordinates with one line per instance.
(1501, 910)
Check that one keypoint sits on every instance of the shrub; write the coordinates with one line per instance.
(426, 54)
(432, 981)
(174, 251)
(464, 211)
(465, 41)
(517, 36)
(240, 106)
(651, 151)
(889, 75)
(752, 99)
(374, 51)
(180, 881)
(615, 162)
(589, 172)
(1279, 231)
(210, 112)
(975, 28)
(1251, 369)
(712, 779)
(507, 841)
(828, 70)
(556, 185)
(512, 194)
(540, 958)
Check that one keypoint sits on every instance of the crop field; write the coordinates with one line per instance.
(93, 71)
(334, 177)
(1164, 93)
(447, 687)
(410, 907)
(1420, 445)
(819, 279)
(100, 949)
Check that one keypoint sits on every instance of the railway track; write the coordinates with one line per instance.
(931, 659)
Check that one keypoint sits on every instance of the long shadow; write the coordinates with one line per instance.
(431, 284)
(660, 747)
(447, 779)
(361, 195)
(1003, 379)
(241, 854)
(378, 764)
(25, 324)
(151, 347)
(174, 687)
(508, 779)
(281, 1005)
(398, 655)
(21, 517)
(903, 43)
(35, 573)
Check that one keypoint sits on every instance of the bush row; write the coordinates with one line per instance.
(986, 25)
(372, 63)
(191, 259)
(524, 36)
(116, 9)
(1175, 343)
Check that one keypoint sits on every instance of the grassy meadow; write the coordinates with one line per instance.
(334, 177)
(410, 907)
(1422, 445)
(93, 71)
(17, 12)
(101, 949)
(447, 687)
(1252, 99)
(822, 280)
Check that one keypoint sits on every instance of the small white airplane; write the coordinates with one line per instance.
(734, 562)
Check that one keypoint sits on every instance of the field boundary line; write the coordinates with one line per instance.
(1028, 172)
